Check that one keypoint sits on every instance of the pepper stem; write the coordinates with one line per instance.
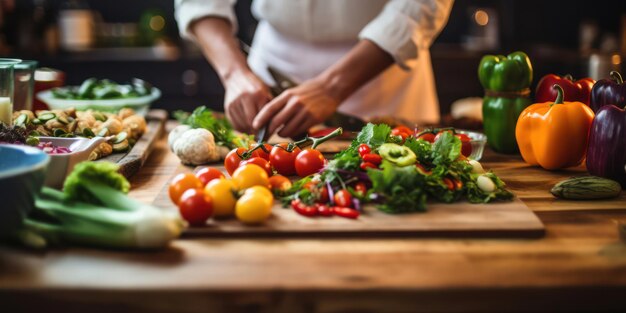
(559, 94)
(617, 77)
(568, 77)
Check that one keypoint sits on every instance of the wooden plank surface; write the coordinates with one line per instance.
(133, 160)
(580, 265)
(460, 219)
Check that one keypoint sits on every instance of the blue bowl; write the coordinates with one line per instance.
(22, 173)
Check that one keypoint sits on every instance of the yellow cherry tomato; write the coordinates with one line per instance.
(222, 191)
(250, 175)
(255, 205)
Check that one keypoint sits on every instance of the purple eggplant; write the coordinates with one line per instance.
(606, 153)
(608, 91)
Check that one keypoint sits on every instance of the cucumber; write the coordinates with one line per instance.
(586, 188)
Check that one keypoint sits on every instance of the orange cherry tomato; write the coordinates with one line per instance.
(279, 183)
(343, 198)
(181, 183)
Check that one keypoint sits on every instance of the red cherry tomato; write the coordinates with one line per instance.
(365, 165)
(303, 209)
(402, 134)
(430, 137)
(208, 174)
(466, 145)
(260, 162)
(260, 153)
(283, 161)
(195, 206)
(403, 129)
(346, 212)
(343, 198)
(181, 183)
(324, 210)
(439, 134)
(309, 161)
(360, 188)
(364, 149)
(372, 158)
(321, 193)
(232, 160)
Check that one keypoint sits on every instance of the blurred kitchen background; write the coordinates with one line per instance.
(138, 38)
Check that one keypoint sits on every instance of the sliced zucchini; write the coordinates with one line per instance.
(47, 116)
(21, 120)
(58, 132)
(120, 137)
(99, 116)
(34, 133)
(37, 121)
(63, 120)
(86, 88)
(87, 132)
(103, 132)
(121, 146)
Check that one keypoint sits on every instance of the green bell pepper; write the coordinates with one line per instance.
(511, 73)
(506, 81)
(499, 119)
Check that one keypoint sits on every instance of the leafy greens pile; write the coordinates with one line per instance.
(399, 189)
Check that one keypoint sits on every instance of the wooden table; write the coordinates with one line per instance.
(580, 265)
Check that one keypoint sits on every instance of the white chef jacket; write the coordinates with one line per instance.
(301, 38)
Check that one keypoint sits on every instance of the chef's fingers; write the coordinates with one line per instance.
(303, 128)
(269, 110)
(285, 115)
(293, 126)
(234, 113)
(249, 110)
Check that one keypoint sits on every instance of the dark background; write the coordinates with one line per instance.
(547, 30)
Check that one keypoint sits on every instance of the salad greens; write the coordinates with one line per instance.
(222, 130)
(96, 89)
(94, 210)
(438, 171)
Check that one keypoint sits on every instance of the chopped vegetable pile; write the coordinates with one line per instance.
(398, 173)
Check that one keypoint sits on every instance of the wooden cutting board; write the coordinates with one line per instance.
(461, 219)
(133, 160)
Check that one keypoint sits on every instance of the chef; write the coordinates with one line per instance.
(367, 58)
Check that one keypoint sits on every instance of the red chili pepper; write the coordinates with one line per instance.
(324, 210)
(346, 212)
(372, 158)
(303, 209)
(364, 149)
(365, 165)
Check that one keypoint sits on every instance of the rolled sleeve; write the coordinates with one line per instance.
(189, 11)
(406, 26)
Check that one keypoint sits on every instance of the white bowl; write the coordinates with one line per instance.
(139, 104)
(63, 163)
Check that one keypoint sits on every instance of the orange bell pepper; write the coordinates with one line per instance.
(554, 135)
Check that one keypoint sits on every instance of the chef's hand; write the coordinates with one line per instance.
(298, 108)
(245, 95)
